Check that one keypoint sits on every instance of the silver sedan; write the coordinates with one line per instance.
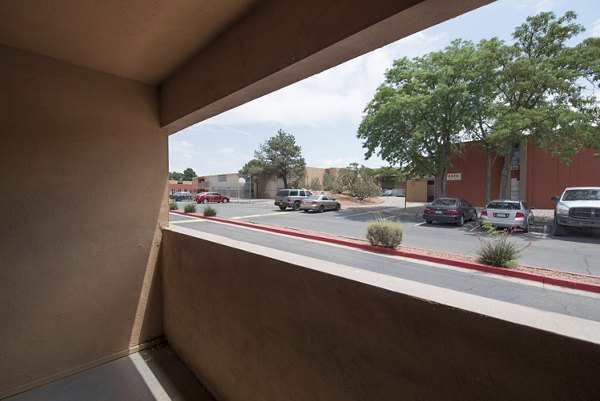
(507, 214)
(319, 203)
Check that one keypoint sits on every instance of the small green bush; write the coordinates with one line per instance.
(173, 206)
(499, 252)
(384, 233)
(190, 208)
(209, 211)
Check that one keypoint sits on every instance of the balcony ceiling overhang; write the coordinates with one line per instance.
(207, 56)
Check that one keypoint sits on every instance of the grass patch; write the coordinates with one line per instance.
(190, 208)
(498, 251)
(384, 233)
(209, 211)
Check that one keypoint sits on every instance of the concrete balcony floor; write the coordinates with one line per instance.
(153, 374)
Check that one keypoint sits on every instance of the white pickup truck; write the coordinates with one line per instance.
(577, 207)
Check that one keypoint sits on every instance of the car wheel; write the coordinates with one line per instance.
(177, 199)
(461, 221)
(321, 209)
(305, 210)
(296, 206)
(282, 207)
(205, 200)
(428, 221)
(337, 207)
(474, 217)
(557, 229)
(226, 200)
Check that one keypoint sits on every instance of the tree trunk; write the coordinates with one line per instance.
(440, 183)
(285, 184)
(505, 177)
(488, 175)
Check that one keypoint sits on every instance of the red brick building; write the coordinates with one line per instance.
(535, 174)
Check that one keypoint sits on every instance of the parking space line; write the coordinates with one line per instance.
(186, 221)
(258, 215)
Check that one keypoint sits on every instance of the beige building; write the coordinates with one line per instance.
(93, 89)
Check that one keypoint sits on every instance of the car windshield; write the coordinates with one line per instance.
(581, 194)
(313, 197)
(504, 205)
(444, 202)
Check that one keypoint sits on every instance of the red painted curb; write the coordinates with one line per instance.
(435, 259)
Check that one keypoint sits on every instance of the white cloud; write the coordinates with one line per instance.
(228, 151)
(596, 29)
(339, 94)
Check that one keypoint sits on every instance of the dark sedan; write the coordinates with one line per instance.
(450, 210)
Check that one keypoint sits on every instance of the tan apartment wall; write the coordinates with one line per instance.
(81, 162)
(416, 191)
(260, 324)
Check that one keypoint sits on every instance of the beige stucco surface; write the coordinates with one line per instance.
(258, 324)
(84, 167)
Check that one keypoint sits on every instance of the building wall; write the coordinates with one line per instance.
(77, 256)
(471, 164)
(416, 191)
(547, 176)
(261, 324)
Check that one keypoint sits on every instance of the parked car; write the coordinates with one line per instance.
(577, 207)
(179, 196)
(205, 197)
(506, 213)
(450, 210)
(394, 192)
(319, 203)
(291, 198)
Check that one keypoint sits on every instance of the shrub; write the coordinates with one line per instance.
(173, 206)
(209, 211)
(190, 208)
(384, 233)
(499, 252)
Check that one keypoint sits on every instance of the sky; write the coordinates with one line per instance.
(323, 112)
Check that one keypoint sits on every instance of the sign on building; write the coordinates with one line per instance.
(453, 177)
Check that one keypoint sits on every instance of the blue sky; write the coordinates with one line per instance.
(323, 112)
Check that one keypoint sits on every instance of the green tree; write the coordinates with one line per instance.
(253, 170)
(540, 93)
(419, 113)
(174, 175)
(331, 183)
(281, 156)
(189, 174)
(358, 181)
(389, 176)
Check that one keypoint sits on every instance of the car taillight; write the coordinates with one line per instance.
(289, 199)
(484, 212)
(450, 211)
(313, 202)
(519, 214)
(428, 211)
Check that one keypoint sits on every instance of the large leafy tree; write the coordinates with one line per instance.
(175, 175)
(540, 95)
(254, 170)
(280, 156)
(189, 174)
(358, 181)
(418, 115)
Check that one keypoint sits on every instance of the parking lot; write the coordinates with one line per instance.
(578, 252)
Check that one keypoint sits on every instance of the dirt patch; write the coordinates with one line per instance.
(347, 201)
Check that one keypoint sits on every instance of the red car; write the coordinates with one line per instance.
(205, 197)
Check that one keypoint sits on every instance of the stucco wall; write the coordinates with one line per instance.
(261, 324)
(83, 177)
(547, 176)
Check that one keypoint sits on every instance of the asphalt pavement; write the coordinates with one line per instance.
(556, 299)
